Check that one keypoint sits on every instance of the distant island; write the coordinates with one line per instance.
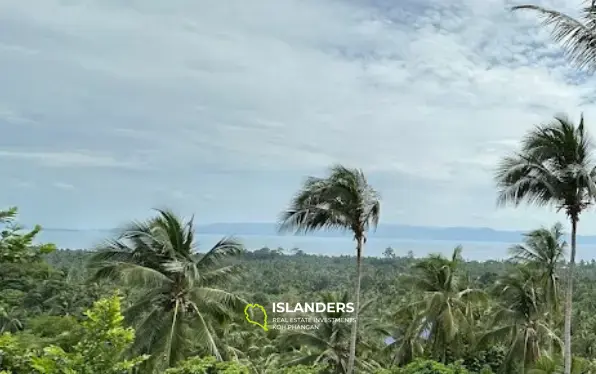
(395, 231)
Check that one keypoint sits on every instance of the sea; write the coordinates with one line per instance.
(328, 246)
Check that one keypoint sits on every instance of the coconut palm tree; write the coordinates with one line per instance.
(179, 289)
(521, 318)
(253, 347)
(408, 336)
(544, 250)
(445, 300)
(553, 168)
(576, 35)
(343, 200)
(8, 321)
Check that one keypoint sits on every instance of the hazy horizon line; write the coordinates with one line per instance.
(386, 230)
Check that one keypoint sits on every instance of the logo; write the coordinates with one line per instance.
(251, 307)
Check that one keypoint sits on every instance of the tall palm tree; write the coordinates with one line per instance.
(576, 35)
(553, 168)
(446, 300)
(544, 250)
(343, 200)
(178, 288)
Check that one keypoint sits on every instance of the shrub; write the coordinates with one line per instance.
(427, 367)
(301, 369)
(103, 341)
(208, 365)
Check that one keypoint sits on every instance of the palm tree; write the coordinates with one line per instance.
(553, 168)
(446, 301)
(546, 365)
(544, 250)
(521, 318)
(407, 339)
(343, 200)
(576, 35)
(178, 288)
(8, 321)
(553, 365)
(253, 347)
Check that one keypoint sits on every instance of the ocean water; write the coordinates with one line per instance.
(330, 246)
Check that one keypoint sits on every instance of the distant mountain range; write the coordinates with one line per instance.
(469, 234)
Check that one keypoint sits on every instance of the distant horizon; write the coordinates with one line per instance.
(473, 250)
(314, 233)
(387, 230)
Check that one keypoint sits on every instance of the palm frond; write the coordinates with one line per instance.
(342, 201)
(132, 274)
(221, 276)
(522, 179)
(204, 332)
(223, 250)
(553, 167)
(576, 37)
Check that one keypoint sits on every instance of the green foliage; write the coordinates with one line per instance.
(183, 294)
(15, 356)
(302, 369)
(99, 350)
(489, 359)
(15, 245)
(28, 285)
(553, 167)
(62, 331)
(427, 367)
(469, 317)
(208, 365)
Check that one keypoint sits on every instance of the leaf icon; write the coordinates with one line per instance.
(248, 313)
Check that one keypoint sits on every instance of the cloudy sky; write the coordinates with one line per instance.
(109, 108)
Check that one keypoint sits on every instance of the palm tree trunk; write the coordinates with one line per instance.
(569, 297)
(352, 357)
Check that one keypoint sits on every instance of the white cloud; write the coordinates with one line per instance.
(69, 159)
(9, 117)
(63, 186)
(20, 184)
(425, 95)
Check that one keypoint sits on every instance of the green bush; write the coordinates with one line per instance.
(103, 341)
(301, 369)
(491, 358)
(208, 365)
(14, 356)
(426, 367)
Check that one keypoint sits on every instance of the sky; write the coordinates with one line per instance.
(110, 108)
